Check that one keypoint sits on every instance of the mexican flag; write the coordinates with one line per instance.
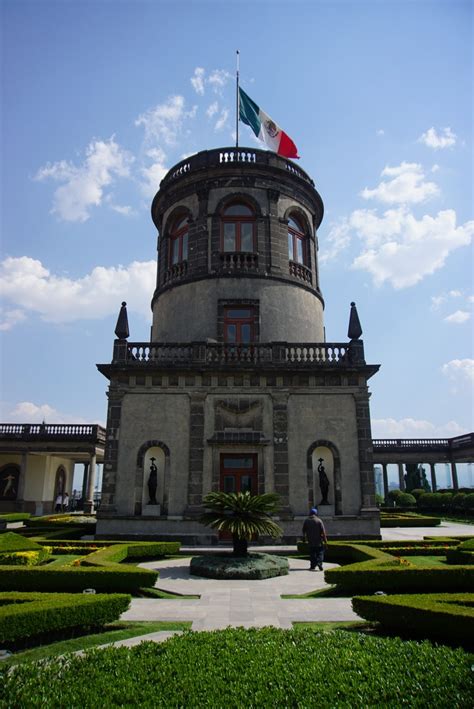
(264, 128)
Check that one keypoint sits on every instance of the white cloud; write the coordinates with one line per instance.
(380, 131)
(401, 249)
(438, 300)
(198, 80)
(83, 185)
(435, 168)
(458, 317)
(406, 186)
(218, 79)
(29, 412)
(459, 370)
(31, 287)
(164, 122)
(438, 141)
(455, 293)
(212, 109)
(10, 318)
(338, 239)
(413, 428)
(124, 209)
(222, 120)
(154, 173)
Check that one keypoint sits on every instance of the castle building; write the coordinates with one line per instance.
(237, 388)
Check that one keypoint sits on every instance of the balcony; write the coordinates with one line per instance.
(257, 355)
(232, 157)
(297, 270)
(238, 262)
(42, 432)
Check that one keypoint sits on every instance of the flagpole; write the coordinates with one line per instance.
(237, 102)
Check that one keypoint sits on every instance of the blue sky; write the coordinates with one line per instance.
(101, 98)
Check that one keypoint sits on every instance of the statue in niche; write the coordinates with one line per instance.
(323, 482)
(152, 483)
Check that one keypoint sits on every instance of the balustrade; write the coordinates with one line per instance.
(238, 261)
(52, 431)
(299, 271)
(176, 271)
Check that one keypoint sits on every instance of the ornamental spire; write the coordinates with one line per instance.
(355, 329)
(121, 328)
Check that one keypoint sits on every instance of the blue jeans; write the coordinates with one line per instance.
(316, 556)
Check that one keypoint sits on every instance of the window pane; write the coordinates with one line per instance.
(295, 225)
(290, 246)
(245, 333)
(239, 313)
(229, 483)
(175, 251)
(246, 236)
(180, 224)
(299, 251)
(231, 331)
(238, 210)
(237, 463)
(229, 237)
(245, 483)
(185, 246)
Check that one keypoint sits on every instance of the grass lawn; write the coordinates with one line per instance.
(329, 626)
(111, 633)
(62, 559)
(428, 560)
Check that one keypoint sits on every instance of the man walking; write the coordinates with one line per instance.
(314, 532)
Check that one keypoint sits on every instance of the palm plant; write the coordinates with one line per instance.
(243, 515)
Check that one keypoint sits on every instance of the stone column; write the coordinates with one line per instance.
(196, 453)
(366, 466)
(109, 475)
(20, 501)
(84, 483)
(89, 501)
(401, 479)
(454, 475)
(385, 480)
(433, 476)
(280, 452)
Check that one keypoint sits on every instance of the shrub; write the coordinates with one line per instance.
(15, 517)
(407, 520)
(405, 499)
(117, 579)
(11, 542)
(394, 494)
(225, 566)
(448, 617)
(25, 615)
(468, 502)
(24, 558)
(256, 667)
(417, 492)
(457, 501)
(435, 500)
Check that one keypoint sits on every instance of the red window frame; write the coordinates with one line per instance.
(241, 475)
(296, 238)
(240, 323)
(238, 220)
(179, 235)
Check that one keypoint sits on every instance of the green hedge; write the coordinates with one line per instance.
(33, 557)
(136, 550)
(348, 552)
(448, 617)
(464, 554)
(10, 542)
(257, 667)
(25, 615)
(116, 579)
(388, 519)
(401, 577)
(15, 517)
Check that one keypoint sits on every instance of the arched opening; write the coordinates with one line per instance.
(238, 228)
(324, 478)
(152, 479)
(9, 482)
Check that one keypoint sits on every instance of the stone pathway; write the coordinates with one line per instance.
(239, 603)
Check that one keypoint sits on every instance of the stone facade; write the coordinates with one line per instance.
(213, 411)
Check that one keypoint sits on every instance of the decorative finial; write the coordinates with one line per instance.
(121, 328)
(355, 329)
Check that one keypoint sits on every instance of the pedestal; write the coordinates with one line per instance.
(151, 510)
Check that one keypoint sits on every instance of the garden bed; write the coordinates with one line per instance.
(253, 567)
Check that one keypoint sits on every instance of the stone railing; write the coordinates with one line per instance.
(53, 432)
(238, 261)
(280, 354)
(232, 156)
(175, 272)
(299, 271)
(426, 444)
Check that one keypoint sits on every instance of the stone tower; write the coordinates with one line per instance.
(237, 388)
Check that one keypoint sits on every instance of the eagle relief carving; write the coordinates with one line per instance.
(238, 414)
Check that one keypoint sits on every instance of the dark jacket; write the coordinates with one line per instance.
(313, 531)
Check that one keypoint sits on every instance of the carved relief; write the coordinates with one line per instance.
(238, 414)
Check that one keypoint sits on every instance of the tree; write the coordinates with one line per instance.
(415, 478)
(243, 515)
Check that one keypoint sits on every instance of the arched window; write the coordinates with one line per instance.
(179, 240)
(238, 228)
(297, 241)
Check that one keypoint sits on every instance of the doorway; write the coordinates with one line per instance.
(239, 472)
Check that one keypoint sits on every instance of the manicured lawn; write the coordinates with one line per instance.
(62, 559)
(428, 560)
(112, 633)
(255, 668)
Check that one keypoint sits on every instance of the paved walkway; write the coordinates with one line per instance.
(258, 603)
